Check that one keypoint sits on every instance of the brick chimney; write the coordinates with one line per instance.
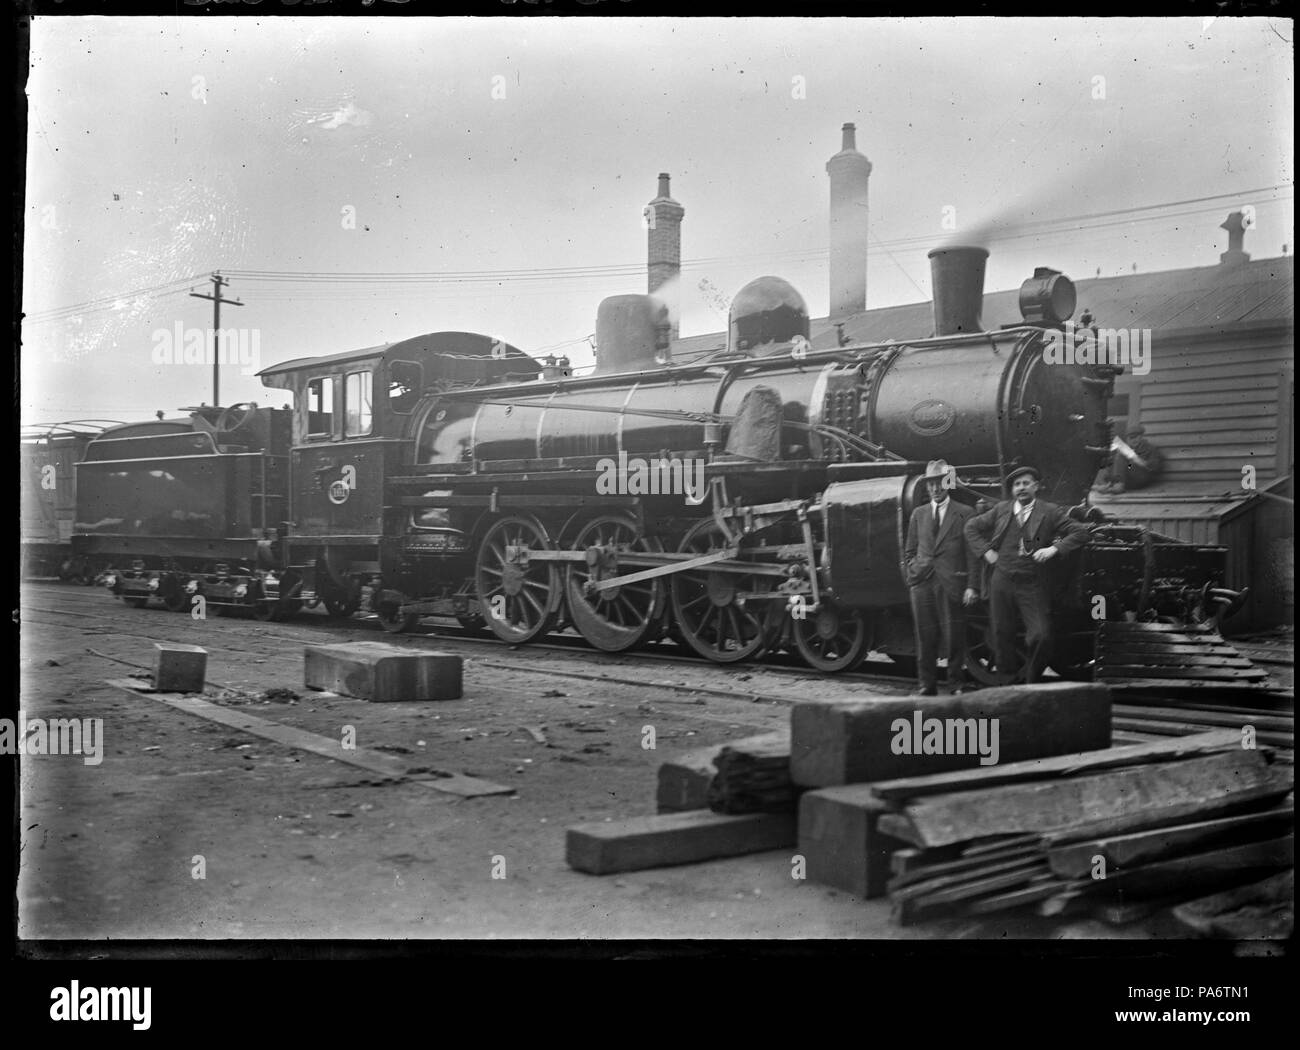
(1236, 227)
(849, 171)
(664, 221)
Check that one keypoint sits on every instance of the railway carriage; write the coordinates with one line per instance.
(48, 458)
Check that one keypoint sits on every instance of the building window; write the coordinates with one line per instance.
(356, 404)
(320, 407)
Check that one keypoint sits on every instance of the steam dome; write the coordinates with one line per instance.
(767, 310)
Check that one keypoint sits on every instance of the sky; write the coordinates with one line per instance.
(400, 151)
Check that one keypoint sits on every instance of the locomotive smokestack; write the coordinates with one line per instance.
(957, 275)
(849, 171)
(664, 222)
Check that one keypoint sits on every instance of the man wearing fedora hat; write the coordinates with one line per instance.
(1017, 539)
(938, 565)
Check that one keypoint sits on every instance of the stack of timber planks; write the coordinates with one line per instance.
(752, 787)
(1268, 719)
(1116, 832)
(724, 801)
(1166, 654)
(1194, 823)
(753, 776)
(1178, 681)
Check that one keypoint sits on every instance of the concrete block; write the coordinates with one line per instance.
(179, 668)
(840, 843)
(850, 742)
(382, 673)
(674, 838)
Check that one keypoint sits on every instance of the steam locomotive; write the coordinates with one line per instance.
(751, 500)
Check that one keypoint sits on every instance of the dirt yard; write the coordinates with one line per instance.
(292, 844)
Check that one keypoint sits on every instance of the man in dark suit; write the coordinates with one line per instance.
(937, 566)
(1018, 538)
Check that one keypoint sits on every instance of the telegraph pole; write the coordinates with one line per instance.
(218, 282)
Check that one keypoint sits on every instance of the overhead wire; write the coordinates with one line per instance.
(395, 280)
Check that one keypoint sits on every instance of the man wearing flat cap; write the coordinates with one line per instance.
(1017, 539)
(938, 567)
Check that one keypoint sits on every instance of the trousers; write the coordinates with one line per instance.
(1013, 601)
(940, 626)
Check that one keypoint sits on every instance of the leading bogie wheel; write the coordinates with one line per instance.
(833, 639)
(394, 621)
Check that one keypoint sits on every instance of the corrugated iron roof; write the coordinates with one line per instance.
(1171, 300)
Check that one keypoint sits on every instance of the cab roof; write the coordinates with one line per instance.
(429, 345)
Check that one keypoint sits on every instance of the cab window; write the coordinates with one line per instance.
(356, 404)
(320, 407)
(405, 382)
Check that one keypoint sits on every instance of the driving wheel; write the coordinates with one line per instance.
(518, 598)
(710, 607)
(618, 618)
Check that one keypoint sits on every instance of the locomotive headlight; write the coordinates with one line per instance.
(1048, 297)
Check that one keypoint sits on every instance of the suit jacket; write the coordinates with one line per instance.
(946, 556)
(1048, 526)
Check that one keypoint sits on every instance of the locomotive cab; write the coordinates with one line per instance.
(352, 414)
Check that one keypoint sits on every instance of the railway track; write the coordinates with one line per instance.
(777, 665)
(1144, 713)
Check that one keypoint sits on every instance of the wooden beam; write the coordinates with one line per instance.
(1059, 765)
(954, 872)
(910, 910)
(881, 738)
(1204, 870)
(674, 838)
(1031, 894)
(1260, 910)
(1234, 719)
(1077, 860)
(328, 747)
(1164, 728)
(1049, 805)
(1280, 783)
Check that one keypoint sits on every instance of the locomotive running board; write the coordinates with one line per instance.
(1136, 656)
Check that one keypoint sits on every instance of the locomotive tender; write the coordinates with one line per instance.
(754, 499)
